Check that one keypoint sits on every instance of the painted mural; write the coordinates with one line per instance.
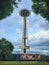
(30, 57)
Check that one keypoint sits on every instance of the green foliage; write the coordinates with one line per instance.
(48, 58)
(19, 0)
(41, 7)
(6, 7)
(6, 49)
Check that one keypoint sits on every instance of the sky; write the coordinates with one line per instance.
(11, 28)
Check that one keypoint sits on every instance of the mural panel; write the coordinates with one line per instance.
(30, 57)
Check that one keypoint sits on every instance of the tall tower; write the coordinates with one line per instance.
(24, 13)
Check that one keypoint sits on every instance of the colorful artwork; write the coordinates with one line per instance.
(30, 57)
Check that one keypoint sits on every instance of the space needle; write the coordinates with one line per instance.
(24, 13)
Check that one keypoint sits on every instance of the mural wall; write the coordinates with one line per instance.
(30, 57)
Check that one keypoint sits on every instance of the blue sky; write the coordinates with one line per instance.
(11, 28)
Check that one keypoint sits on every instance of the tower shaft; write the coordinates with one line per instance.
(24, 35)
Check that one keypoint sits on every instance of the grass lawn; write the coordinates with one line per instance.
(22, 63)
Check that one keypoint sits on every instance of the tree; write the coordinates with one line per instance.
(6, 49)
(6, 7)
(48, 58)
(41, 7)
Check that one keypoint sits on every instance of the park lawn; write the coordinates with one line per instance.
(22, 63)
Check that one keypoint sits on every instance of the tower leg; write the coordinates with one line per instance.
(24, 51)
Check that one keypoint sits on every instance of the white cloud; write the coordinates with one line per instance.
(20, 21)
(40, 38)
(41, 34)
(38, 21)
(44, 24)
(36, 50)
(25, 4)
(2, 32)
(16, 48)
(18, 31)
(2, 22)
(14, 40)
(30, 30)
(30, 36)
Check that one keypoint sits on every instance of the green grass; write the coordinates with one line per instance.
(22, 63)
